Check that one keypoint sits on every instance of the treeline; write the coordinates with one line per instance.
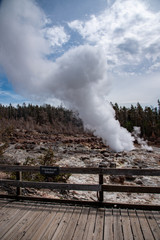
(148, 119)
(61, 120)
(42, 118)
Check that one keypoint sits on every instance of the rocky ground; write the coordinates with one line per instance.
(83, 151)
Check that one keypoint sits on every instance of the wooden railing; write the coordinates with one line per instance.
(100, 187)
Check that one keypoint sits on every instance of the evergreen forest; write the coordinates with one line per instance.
(148, 119)
(44, 119)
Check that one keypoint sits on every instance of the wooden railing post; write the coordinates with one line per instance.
(100, 193)
(19, 178)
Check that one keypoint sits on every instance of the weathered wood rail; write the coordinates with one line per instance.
(100, 187)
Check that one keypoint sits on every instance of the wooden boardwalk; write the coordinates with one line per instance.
(33, 220)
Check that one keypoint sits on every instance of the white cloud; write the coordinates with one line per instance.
(128, 32)
(57, 36)
(155, 66)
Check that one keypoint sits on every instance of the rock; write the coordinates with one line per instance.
(117, 179)
(130, 178)
(138, 181)
(112, 165)
(84, 158)
(30, 146)
(19, 146)
(37, 149)
(29, 190)
(118, 155)
(43, 148)
(105, 153)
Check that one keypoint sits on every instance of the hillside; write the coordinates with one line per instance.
(59, 120)
(41, 119)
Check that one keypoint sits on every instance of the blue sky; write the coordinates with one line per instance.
(37, 39)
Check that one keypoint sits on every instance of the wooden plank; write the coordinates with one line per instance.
(146, 231)
(153, 224)
(36, 224)
(15, 168)
(20, 227)
(117, 225)
(81, 187)
(90, 226)
(101, 193)
(44, 226)
(51, 185)
(63, 224)
(68, 234)
(7, 229)
(3, 202)
(37, 221)
(108, 225)
(8, 212)
(133, 189)
(126, 225)
(112, 171)
(98, 234)
(4, 211)
(156, 215)
(79, 170)
(54, 223)
(81, 224)
(136, 229)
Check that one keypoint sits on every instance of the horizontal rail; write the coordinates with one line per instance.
(17, 168)
(80, 187)
(131, 189)
(85, 203)
(77, 170)
(51, 185)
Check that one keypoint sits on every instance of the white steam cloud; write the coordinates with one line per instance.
(78, 78)
(141, 141)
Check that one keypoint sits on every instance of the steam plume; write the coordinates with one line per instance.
(141, 141)
(78, 78)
